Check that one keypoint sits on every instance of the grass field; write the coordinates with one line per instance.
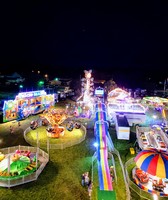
(61, 178)
(76, 134)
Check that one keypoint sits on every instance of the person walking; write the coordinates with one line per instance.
(90, 185)
(19, 123)
(11, 130)
(87, 178)
(83, 179)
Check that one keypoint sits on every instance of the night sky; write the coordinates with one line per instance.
(68, 38)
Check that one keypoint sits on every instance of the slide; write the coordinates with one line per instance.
(101, 115)
(105, 182)
(100, 107)
(101, 132)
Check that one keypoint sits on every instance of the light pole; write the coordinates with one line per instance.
(37, 139)
(93, 158)
(20, 88)
(41, 84)
(48, 145)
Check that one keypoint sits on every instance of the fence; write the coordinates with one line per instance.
(42, 156)
(124, 176)
(56, 146)
(142, 193)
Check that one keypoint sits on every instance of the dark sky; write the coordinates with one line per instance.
(111, 38)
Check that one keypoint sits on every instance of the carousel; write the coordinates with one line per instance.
(151, 171)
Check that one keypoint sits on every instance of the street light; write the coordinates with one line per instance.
(41, 84)
(20, 87)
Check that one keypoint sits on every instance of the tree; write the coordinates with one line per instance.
(110, 85)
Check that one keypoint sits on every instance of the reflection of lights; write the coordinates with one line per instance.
(95, 144)
(155, 197)
(90, 104)
(10, 105)
(88, 75)
(126, 107)
(154, 116)
(1, 141)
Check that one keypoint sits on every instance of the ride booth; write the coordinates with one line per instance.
(27, 103)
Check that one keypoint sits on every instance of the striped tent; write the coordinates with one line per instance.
(153, 162)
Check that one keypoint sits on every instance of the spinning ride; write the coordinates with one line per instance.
(151, 171)
(55, 118)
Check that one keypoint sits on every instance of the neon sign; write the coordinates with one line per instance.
(31, 94)
(99, 91)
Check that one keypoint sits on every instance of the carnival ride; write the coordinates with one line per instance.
(124, 112)
(82, 111)
(151, 171)
(141, 175)
(21, 164)
(18, 163)
(118, 95)
(71, 125)
(101, 133)
(155, 102)
(151, 137)
(152, 160)
(159, 104)
(34, 124)
(87, 89)
(54, 118)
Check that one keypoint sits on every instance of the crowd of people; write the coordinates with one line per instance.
(86, 182)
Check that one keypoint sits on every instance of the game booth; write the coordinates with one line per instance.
(27, 103)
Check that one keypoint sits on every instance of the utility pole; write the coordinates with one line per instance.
(164, 87)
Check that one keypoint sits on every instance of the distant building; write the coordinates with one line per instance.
(61, 86)
(14, 78)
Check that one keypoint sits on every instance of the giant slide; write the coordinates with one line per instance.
(101, 130)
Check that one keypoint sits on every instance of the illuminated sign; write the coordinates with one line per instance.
(31, 94)
(99, 92)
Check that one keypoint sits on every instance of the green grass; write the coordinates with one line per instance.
(61, 178)
(31, 136)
